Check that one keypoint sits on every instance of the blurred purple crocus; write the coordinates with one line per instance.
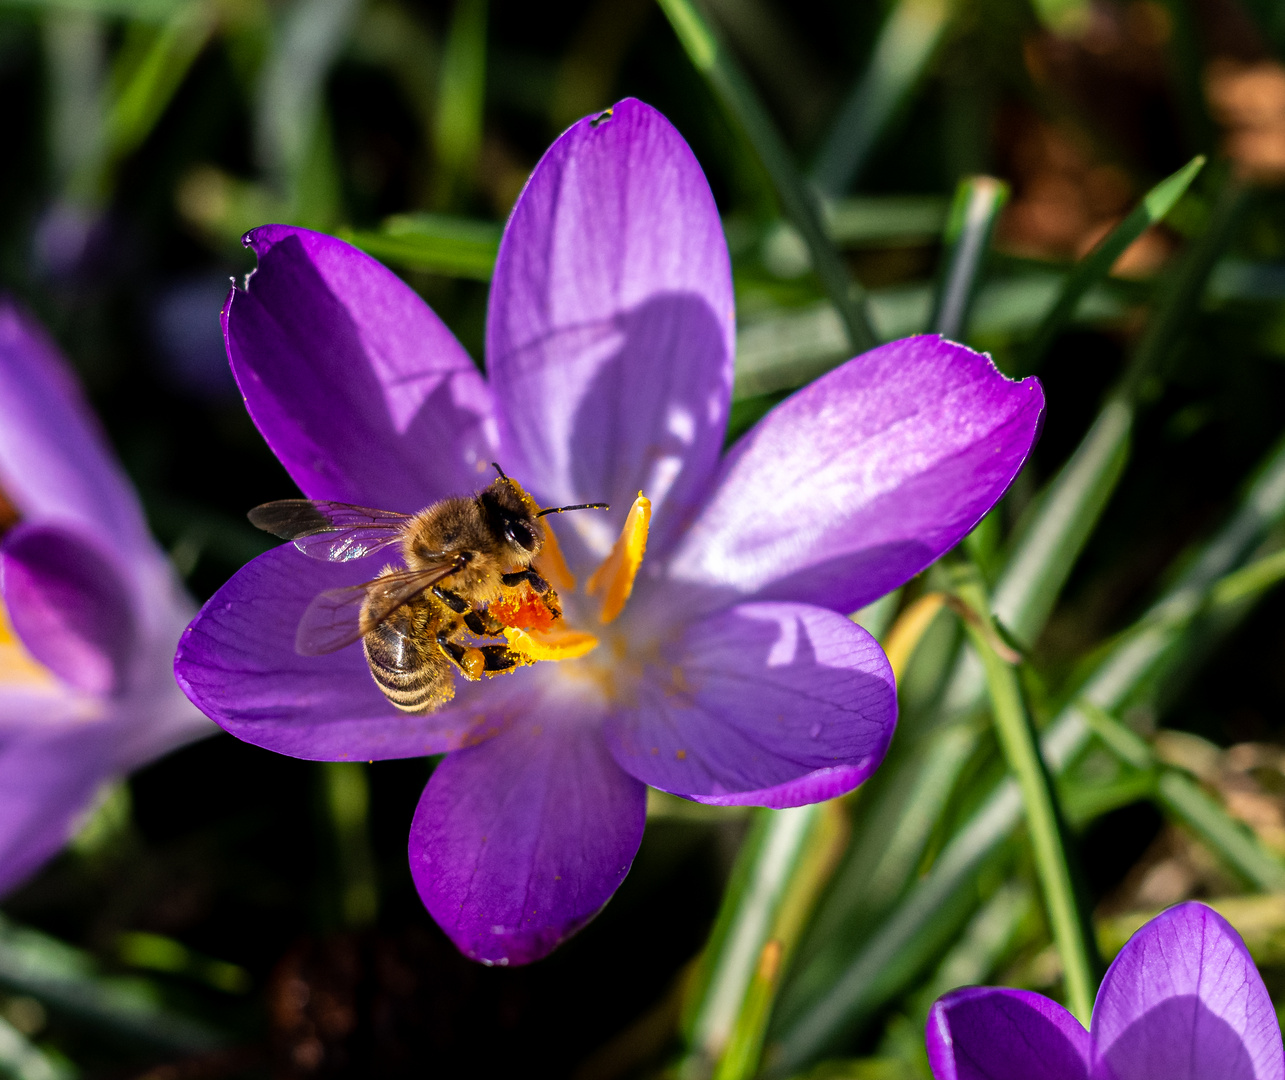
(722, 666)
(93, 611)
(1182, 1001)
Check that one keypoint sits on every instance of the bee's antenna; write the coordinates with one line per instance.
(578, 506)
(496, 465)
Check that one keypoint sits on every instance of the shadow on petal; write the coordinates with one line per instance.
(1180, 1038)
(364, 396)
(990, 1033)
(756, 697)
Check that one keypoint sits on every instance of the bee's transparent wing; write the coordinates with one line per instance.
(330, 531)
(338, 617)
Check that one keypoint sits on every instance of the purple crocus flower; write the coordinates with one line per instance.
(722, 666)
(1182, 1001)
(93, 611)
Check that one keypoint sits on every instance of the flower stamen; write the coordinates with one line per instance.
(560, 643)
(614, 578)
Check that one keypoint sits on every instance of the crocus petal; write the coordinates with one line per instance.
(611, 326)
(756, 697)
(69, 605)
(988, 1033)
(49, 774)
(863, 478)
(816, 786)
(54, 460)
(518, 842)
(357, 386)
(1184, 1001)
(238, 665)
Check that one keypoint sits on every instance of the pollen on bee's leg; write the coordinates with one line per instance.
(614, 578)
(473, 663)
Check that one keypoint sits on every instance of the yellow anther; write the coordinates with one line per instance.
(557, 644)
(614, 579)
(550, 564)
(17, 666)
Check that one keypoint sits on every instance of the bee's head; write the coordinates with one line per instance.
(515, 518)
(511, 513)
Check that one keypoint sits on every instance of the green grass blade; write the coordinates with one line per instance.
(895, 953)
(1036, 571)
(439, 243)
(760, 918)
(142, 97)
(461, 94)
(906, 45)
(798, 202)
(1184, 800)
(306, 42)
(1071, 927)
(1180, 298)
(69, 981)
(133, 10)
(1043, 560)
(1095, 266)
(978, 201)
(347, 797)
(21, 1059)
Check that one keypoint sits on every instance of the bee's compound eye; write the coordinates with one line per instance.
(520, 533)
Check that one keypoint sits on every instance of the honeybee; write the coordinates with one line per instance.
(463, 557)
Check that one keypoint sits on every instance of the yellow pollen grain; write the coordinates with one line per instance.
(614, 579)
(681, 755)
(558, 644)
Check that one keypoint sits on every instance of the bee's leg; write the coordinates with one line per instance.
(469, 660)
(499, 658)
(452, 600)
(477, 624)
(530, 577)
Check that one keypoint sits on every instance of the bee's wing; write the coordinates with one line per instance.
(338, 617)
(330, 531)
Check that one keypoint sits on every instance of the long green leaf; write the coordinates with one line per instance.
(1095, 266)
(1071, 927)
(457, 135)
(68, 980)
(456, 247)
(772, 855)
(896, 951)
(142, 98)
(978, 201)
(905, 46)
(799, 203)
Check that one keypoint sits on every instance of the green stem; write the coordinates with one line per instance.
(798, 202)
(978, 201)
(1070, 928)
